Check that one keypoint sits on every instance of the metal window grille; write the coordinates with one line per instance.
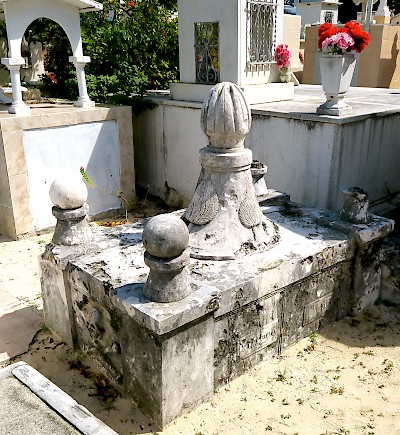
(261, 31)
(328, 17)
(206, 37)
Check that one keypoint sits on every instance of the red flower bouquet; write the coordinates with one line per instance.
(342, 40)
(282, 56)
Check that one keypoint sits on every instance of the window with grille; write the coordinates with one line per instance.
(206, 37)
(328, 17)
(261, 31)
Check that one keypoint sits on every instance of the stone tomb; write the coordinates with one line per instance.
(260, 278)
(169, 357)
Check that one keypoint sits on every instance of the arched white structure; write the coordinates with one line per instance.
(19, 14)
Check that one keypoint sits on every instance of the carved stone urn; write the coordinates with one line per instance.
(223, 217)
(336, 74)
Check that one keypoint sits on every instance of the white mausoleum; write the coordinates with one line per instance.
(19, 14)
(316, 11)
(230, 41)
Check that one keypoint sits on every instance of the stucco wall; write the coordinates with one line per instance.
(52, 152)
(311, 160)
(54, 139)
(168, 140)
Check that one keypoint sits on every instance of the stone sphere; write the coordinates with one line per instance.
(165, 236)
(68, 192)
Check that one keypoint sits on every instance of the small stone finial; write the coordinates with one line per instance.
(166, 238)
(226, 116)
(258, 171)
(68, 194)
(355, 208)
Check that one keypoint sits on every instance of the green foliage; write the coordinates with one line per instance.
(132, 49)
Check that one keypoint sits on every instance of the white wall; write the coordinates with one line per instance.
(167, 156)
(52, 152)
(310, 160)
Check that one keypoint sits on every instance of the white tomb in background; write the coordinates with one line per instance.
(230, 41)
(317, 11)
(19, 14)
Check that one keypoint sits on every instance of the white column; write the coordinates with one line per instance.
(18, 106)
(382, 15)
(79, 63)
(368, 14)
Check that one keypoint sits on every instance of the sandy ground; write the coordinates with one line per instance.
(344, 380)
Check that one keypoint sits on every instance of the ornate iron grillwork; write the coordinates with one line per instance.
(206, 37)
(328, 17)
(261, 31)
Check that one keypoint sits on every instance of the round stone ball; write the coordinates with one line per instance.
(165, 236)
(68, 192)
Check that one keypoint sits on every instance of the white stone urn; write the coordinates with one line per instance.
(336, 74)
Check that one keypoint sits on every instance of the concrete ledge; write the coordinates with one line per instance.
(25, 390)
(255, 94)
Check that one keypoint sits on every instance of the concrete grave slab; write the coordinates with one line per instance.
(18, 325)
(31, 404)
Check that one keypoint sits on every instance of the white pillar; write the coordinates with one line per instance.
(18, 106)
(382, 15)
(79, 63)
(368, 15)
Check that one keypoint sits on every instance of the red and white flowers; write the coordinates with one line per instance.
(343, 40)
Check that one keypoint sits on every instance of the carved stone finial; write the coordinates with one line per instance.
(68, 194)
(166, 238)
(355, 208)
(224, 218)
(226, 116)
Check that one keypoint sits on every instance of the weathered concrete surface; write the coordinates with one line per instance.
(31, 404)
(168, 357)
(390, 288)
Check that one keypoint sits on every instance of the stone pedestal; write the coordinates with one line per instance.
(166, 239)
(72, 227)
(224, 218)
(68, 194)
(355, 208)
(258, 172)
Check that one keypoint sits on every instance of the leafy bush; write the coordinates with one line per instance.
(133, 47)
